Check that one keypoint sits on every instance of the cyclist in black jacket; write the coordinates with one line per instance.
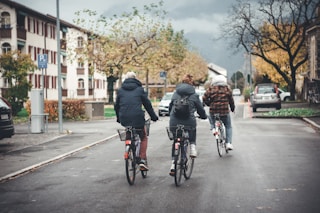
(128, 107)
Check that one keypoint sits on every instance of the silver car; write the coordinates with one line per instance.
(163, 107)
(265, 96)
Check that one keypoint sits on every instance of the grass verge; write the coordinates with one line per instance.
(293, 112)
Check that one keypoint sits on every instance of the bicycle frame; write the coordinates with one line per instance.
(220, 135)
(183, 162)
(132, 152)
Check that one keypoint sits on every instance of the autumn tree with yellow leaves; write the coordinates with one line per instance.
(139, 41)
(266, 28)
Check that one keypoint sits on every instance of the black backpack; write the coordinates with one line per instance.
(181, 107)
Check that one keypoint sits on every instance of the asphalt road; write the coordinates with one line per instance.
(274, 168)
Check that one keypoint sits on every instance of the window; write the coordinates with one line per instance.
(90, 83)
(80, 63)
(6, 47)
(80, 83)
(5, 20)
(80, 42)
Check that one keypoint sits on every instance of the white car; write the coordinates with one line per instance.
(163, 107)
(236, 92)
(284, 96)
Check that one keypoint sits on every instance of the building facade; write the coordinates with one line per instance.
(312, 79)
(34, 33)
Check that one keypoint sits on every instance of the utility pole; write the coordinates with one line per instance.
(59, 71)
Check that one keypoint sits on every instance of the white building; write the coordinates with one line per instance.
(34, 33)
(214, 70)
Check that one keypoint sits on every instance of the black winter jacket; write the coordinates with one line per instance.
(195, 105)
(128, 107)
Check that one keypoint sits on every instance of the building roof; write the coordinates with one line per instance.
(217, 70)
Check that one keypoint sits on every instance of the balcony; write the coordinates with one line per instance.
(80, 92)
(22, 33)
(5, 32)
(91, 91)
(64, 69)
(80, 71)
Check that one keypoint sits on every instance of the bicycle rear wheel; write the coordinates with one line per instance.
(131, 166)
(188, 166)
(178, 166)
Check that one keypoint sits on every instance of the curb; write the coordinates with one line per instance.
(312, 123)
(46, 162)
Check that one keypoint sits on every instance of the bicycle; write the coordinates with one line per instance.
(183, 162)
(132, 150)
(220, 135)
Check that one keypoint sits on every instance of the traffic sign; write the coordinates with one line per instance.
(163, 74)
(42, 61)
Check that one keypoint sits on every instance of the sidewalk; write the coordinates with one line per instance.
(25, 151)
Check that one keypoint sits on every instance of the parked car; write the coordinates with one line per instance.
(6, 120)
(163, 107)
(265, 96)
(236, 92)
(284, 96)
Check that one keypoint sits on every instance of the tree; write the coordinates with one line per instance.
(15, 67)
(128, 41)
(192, 64)
(238, 80)
(275, 25)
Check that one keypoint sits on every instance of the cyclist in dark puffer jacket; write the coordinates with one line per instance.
(128, 107)
(186, 88)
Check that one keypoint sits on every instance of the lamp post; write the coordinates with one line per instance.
(59, 71)
(250, 63)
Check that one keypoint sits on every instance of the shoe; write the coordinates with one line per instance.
(172, 170)
(193, 151)
(214, 132)
(143, 165)
(229, 146)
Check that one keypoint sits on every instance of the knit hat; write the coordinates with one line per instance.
(130, 75)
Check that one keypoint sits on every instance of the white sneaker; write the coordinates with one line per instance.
(172, 170)
(229, 146)
(193, 151)
(214, 132)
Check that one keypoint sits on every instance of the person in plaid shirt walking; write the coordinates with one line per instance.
(220, 101)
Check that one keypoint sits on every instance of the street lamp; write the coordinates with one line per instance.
(250, 63)
(59, 70)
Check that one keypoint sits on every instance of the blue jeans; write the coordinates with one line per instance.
(227, 122)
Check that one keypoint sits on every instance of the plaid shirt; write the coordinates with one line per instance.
(218, 98)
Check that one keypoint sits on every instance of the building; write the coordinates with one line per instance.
(312, 79)
(214, 70)
(34, 33)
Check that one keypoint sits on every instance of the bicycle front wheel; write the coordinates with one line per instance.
(131, 166)
(178, 166)
(188, 166)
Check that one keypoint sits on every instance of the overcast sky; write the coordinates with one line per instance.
(200, 20)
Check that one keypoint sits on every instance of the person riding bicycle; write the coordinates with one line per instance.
(219, 97)
(186, 89)
(128, 107)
